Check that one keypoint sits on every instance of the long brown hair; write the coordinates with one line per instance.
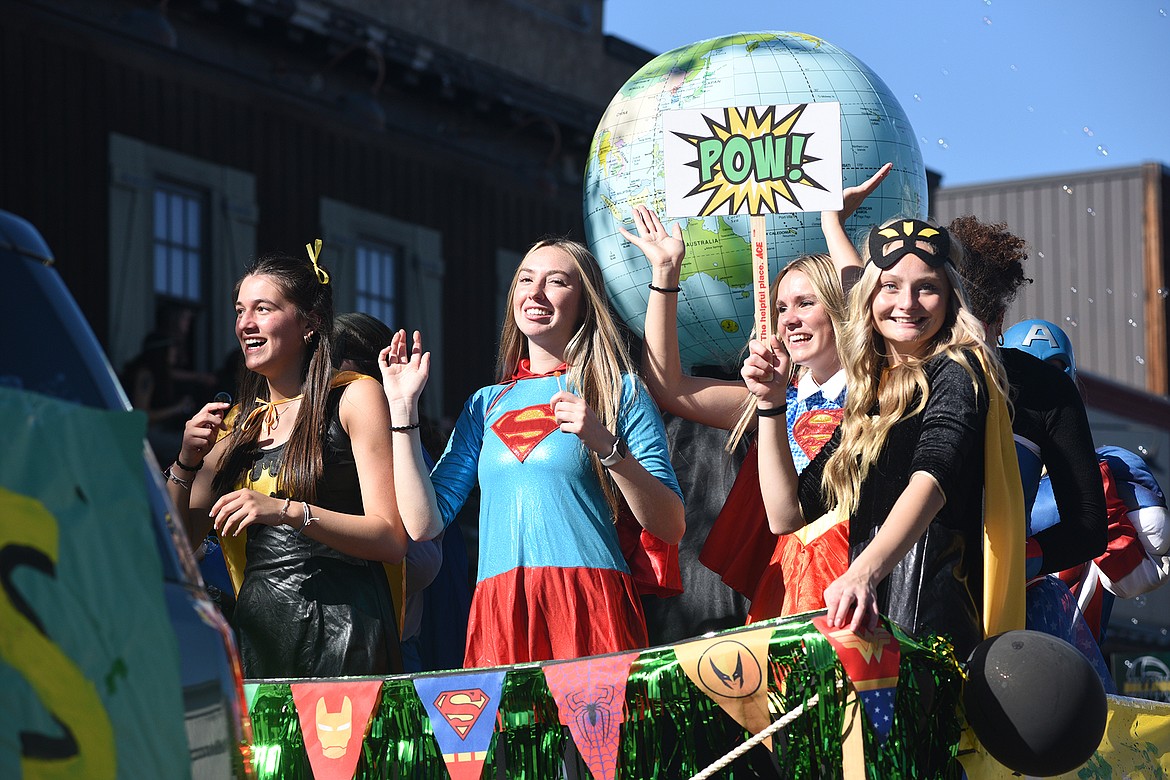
(596, 354)
(303, 463)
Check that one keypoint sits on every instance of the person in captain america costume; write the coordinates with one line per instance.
(1136, 559)
(563, 447)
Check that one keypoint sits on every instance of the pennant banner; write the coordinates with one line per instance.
(670, 728)
(591, 697)
(870, 660)
(334, 715)
(250, 694)
(463, 710)
(732, 670)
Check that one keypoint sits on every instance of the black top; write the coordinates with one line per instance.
(937, 587)
(305, 609)
(1048, 413)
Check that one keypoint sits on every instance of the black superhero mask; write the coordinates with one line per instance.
(888, 245)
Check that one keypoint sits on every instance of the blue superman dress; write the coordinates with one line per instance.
(553, 582)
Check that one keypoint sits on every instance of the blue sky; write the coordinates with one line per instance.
(995, 89)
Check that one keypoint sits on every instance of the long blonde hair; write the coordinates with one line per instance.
(894, 389)
(596, 354)
(822, 275)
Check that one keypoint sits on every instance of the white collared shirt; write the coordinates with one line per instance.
(830, 389)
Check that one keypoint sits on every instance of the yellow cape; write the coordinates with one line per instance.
(1003, 522)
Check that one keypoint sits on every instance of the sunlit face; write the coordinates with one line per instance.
(548, 298)
(270, 331)
(803, 324)
(910, 306)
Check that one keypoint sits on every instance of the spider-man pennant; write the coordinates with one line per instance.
(732, 670)
(870, 660)
(591, 698)
(463, 717)
(334, 717)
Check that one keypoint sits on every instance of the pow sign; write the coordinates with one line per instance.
(752, 160)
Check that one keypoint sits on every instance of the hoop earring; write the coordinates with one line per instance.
(999, 339)
(308, 338)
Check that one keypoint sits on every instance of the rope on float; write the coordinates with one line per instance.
(739, 750)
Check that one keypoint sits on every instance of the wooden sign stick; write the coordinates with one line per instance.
(763, 297)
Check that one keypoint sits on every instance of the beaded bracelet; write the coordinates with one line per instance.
(665, 289)
(401, 428)
(775, 411)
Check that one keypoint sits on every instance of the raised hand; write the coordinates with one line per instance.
(766, 371)
(201, 432)
(664, 249)
(404, 371)
(852, 197)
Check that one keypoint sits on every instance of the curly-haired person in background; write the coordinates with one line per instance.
(1052, 436)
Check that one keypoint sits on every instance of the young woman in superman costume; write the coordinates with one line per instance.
(565, 440)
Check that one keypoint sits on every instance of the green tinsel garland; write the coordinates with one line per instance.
(672, 729)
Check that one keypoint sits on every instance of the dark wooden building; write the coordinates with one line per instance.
(159, 146)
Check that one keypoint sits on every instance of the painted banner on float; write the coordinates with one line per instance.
(89, 667)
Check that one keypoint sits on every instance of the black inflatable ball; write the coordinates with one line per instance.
(1035, 702)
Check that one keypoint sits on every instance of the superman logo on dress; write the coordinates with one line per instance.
(815, 427)
(522, 429)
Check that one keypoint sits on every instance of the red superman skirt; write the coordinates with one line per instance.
(802, 566)
(547, 613)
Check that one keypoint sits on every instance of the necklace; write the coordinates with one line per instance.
(269, 411)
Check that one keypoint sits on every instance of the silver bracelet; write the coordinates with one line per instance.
(308, 518)
(183, 483)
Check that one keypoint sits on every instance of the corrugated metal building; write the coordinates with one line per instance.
(1099, 256)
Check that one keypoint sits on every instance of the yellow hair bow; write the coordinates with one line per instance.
(314, 250)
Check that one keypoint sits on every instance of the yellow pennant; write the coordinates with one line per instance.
(732, 670)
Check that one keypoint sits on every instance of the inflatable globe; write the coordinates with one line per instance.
(625, 168)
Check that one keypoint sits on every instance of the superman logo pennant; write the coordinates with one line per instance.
(732, 670)
(591, 697)
(870, 661)
(334, 717)
(463, 717)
